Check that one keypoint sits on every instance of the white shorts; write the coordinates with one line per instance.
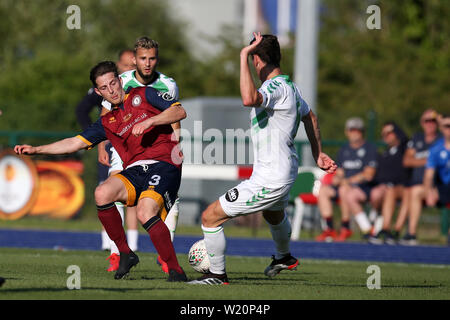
(249, 197)
(115, 161)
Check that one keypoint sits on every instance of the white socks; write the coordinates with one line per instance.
(132, 239)
(281, 235)
(215, 246)
(172, 219)
(363, 222)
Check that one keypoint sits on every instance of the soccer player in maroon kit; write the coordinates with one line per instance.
(139, 128)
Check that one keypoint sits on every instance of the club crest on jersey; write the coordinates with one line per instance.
(166, 96)
(112, 119)
(136, 101)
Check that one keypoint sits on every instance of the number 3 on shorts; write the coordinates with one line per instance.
(154, 180)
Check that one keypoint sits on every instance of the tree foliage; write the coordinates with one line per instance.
(45, 65)
(397, 71)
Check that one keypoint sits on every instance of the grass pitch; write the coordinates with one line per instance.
(42, 274)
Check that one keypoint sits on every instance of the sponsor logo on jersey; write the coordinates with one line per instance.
(130, 125)
(112, 119)
(232, 195)
(166, 96)
(126, 117)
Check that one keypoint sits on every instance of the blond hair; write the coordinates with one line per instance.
(145, 43)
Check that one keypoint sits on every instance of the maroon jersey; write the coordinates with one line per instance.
(157, 143)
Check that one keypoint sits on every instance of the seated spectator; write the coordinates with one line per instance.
(357, 162)
(390, 178)
(415, 158)
(437, 169)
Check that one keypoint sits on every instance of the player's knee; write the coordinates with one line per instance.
(209, 217)
(102, 195)
(143, 214)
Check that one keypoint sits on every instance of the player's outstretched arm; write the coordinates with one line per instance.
(313, 132)
(64, 146)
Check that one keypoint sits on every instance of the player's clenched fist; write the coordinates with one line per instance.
(24, 149)
(139, 128)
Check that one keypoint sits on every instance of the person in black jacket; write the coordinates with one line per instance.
(391, 178)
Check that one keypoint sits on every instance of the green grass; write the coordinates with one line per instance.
(41, 274)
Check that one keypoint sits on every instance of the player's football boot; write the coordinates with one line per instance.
(113, 262)
(164, 266)
(344, 234)
(328, 235)
(211, 279)
(127, 261)
(288, 262)
(174, 276)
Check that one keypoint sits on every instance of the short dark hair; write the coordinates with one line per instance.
(102, 68)
(268, 50)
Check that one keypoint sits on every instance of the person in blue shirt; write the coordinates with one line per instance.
(437, 169)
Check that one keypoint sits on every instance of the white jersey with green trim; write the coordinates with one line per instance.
(162, 83)
(274, 126)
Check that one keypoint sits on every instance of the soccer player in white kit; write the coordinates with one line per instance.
(146, 60)
(276, 111)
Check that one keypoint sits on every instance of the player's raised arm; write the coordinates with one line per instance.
(64, 146)
(249, 94)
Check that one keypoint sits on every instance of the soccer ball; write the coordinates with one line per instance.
(198, 257)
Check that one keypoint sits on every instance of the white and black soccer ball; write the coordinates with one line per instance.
(198, 257)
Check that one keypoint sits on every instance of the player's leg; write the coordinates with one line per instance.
(132, 223)
(161, 183)
(147, 213)
(212, 219)
(116, 167)
(106, 194)
(102, 172)
(280, 228)
(171, 220)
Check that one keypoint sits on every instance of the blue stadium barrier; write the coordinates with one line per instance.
(68, 240)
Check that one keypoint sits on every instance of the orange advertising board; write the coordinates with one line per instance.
(51, 188)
